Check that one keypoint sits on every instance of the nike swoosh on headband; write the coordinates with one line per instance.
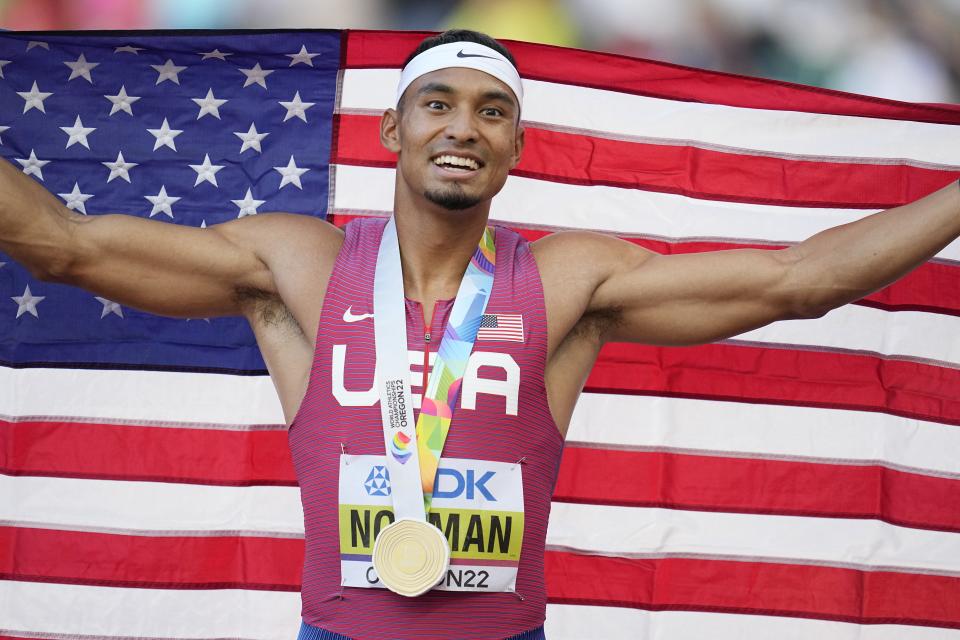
(461, 54)
(348, 315)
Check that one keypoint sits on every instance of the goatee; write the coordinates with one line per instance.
(453, 199)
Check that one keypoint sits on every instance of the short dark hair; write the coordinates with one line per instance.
(460, 35)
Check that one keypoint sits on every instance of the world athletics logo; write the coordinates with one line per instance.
(378, 481)
(399, 447)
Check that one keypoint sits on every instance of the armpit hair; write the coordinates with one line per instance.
(597, 324)
(267, 308)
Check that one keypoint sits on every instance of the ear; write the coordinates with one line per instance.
(389, 130)
(517, 146)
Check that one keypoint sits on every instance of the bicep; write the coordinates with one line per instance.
(165, 268)
(694, 298)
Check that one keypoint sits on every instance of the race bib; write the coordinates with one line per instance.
(478, 505)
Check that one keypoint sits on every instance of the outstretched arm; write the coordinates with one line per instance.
(154, 266)
(697, 298)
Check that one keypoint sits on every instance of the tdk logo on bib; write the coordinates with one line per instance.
(378, 481)
(453, 484)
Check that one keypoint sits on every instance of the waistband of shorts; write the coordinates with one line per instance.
(309, 632)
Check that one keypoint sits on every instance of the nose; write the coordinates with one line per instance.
(462, 126)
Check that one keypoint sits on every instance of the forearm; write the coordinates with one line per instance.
(845, 263)
(35, 227)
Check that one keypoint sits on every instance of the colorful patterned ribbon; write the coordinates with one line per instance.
(443, 389)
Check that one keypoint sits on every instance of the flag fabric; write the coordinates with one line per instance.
(801, 480)
(501, 326)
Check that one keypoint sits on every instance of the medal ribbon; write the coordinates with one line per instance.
(416, 448)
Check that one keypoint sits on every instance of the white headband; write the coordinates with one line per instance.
(470, 55)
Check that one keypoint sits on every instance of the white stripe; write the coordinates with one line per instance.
(553, 205)
(55, 503)
(155, 507)
(915, 335)
(605, 419)
(859, 544)
(32, 607)
(785, 132)
(147, 397)
(569, 622)
(148, 613)
(765, 430)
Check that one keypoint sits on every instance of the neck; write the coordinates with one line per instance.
(435, 249)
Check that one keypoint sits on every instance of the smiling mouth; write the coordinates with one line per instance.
(457, 163)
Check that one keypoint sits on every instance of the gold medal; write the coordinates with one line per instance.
(410, 556)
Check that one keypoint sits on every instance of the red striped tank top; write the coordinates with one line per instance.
(503, 416)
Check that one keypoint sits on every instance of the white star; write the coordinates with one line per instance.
(120, 168)
(161, 202)
(121, 101)
(216, 53)
(80, 68)
(128, 49)
(2, 129)
(78, 133)
(37, 43)
(3, 63)
(209, 104)
(256, 74)
(291, 174)
(296, 107)
(27, 303)
(168, 71)
(165, 136)
(251, 139)
(75, 199)
(206, 171)
(34, 98)
(248, 206)
(302, 57)
(109, 306)
(32, 166)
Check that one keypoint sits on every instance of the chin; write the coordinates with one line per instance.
(451, 199)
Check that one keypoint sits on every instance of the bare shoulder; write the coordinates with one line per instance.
(573, 264)
(273, 233)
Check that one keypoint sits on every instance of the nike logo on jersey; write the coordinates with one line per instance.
(348, 315)
(461, 54)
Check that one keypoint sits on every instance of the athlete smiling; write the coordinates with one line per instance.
(310, 291)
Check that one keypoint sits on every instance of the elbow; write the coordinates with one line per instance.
(60, 268)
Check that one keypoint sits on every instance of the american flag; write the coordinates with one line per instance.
(501, 326)
(801, 480)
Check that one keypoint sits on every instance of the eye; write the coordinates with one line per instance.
(436, 105)
(493, 112)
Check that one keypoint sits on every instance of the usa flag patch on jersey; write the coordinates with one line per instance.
(502, 327)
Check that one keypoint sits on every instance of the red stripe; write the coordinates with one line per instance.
(71, 557)
(685, 170)
(630, 478)
(932, 287)
(745, 485)
(781, 376)
(375, 49)
(167, 454)
(759, 588)
(174, 562)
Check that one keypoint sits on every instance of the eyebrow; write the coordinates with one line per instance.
(493, 94)
(435, 87)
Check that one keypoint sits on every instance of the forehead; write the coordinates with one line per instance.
(462, 81)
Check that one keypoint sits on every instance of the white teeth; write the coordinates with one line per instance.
(456, 161)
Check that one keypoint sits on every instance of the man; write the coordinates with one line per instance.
(306, 289)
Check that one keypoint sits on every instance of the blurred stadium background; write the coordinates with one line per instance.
(900, 49)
